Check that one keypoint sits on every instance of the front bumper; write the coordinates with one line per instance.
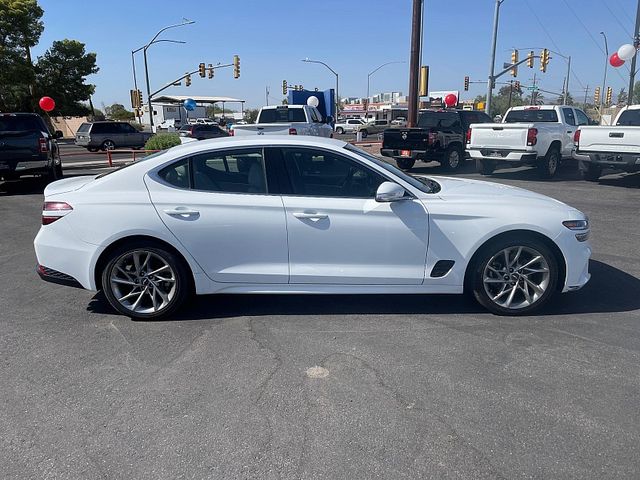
(576, 255)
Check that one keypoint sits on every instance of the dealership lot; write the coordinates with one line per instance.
(409, 386)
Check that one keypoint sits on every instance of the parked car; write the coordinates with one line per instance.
(27, 147)
(202, 131)
(377, 126)
(203, 121)
(399, 122)
(107, 135)
(616, 147)
(528, 135)
(438, 137)
(287, 214)
(350, 125)
(287, 120)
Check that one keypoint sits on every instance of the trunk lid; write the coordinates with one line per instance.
(20, 145)
(406, 138)
(609, 139)
(67, 185)
(499, 135)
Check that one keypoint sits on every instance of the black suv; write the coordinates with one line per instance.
(27, 147)
(439, 136)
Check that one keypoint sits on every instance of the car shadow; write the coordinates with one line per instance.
(610, 290)
(24, 186)
(617, 179)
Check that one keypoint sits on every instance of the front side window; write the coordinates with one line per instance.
(230, 171)
(320, 173)
(582, 117)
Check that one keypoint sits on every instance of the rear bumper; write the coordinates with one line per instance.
(53, 276)
(413, 154)
(15, 167)
(501, 154)
(626, 161)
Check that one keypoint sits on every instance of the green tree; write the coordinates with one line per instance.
(500, 101)
(61, 72)
(118, 112)
(560, 99)
(622, 97)
(251, 115)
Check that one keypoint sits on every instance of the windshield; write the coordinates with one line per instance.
(423, 184)
(531, 115)
(142, 159)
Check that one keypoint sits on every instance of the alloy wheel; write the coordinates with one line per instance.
(516, 277)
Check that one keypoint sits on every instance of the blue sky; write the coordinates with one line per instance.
(352, 36)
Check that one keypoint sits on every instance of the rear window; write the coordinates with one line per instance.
(20, 123)
(282, 115)
(531, 115)
(437, 119)
(84, 128)
(630, 118)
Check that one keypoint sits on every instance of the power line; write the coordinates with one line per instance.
(606, 4)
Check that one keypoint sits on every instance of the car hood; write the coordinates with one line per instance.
(67, 185)
(461, 189)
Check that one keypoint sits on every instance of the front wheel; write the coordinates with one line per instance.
(453, 159)
(405, 163)
(548, 165)
(515, 276)
(485, 167)
(92, 149)
(144, 281)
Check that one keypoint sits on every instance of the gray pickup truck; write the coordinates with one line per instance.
(27, 147)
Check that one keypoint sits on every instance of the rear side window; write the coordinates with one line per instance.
(531, 115)
(176, 174)
(282, 115)
(582, 117)
(84, 128)
(569, 117)
(629, 118)
(20, 123)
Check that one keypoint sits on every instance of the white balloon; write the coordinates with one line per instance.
(313, 101)
(626, 52)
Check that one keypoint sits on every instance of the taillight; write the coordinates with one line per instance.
(293, 131)
(468, 136)
(52, 211)
(532, 137)
(232, 133)
(576, 137)
(433, 138)
(43, 145)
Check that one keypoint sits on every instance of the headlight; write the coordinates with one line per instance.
(576, 224)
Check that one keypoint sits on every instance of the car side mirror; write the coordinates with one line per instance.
(58, 134)
(389, 192)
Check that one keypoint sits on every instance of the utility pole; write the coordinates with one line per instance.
(266, 94)
(414, 63)
(586, 92)
(606, 64)
(494, 41)
(510, 92)
(534, 92)
(636, 42)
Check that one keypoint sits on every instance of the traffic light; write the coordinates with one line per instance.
(284, 87)
(424, 81)
(236, 66)
(596, 96)
(516, 85)
(530, 59)
(140, 101)
(466, 84)
(134, 98)
(211, 71)
(609, 95)
(514, 60)
(187, 80)
(202, 70)
(544, 59)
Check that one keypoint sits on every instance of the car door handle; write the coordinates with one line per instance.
(181, 211)
(310, 216)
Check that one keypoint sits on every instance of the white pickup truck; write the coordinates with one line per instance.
(287, 120)
(532, 135)
(616, 146)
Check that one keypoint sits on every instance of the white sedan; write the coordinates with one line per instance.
(303, 215)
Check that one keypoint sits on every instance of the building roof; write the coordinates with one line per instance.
(198, 99)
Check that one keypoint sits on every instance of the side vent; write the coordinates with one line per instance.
(441, 268)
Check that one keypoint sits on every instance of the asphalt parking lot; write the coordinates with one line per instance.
(408, 386)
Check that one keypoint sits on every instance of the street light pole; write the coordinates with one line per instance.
(366, 114)
(306, 60)
(636, 41)
(494, 42)
(146, 67)
(606, 63)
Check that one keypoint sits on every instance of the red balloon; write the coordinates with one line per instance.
(615, 60)
(450, 100)
(47, 104)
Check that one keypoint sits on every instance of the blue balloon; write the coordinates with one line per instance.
(189, 104)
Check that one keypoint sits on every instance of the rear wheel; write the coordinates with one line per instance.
(108, 145)
(339, 130)
(54, 172)
(453, 158)
(93, 149)
(515, 276)
(485, 167)
(144, 281)
(548, 165)
(405, 163)
(364, 133)
(591, 171)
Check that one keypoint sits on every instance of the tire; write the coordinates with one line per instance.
(93, 149)
(405, 163)
(453, 159)
(519, 287)
(485, 167)
(136, 293)
(108, 145)
(339, 130)
(54, 172)
(591, 171)
(364, 133)
(548, 165)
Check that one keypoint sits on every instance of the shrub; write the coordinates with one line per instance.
(162, 141)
